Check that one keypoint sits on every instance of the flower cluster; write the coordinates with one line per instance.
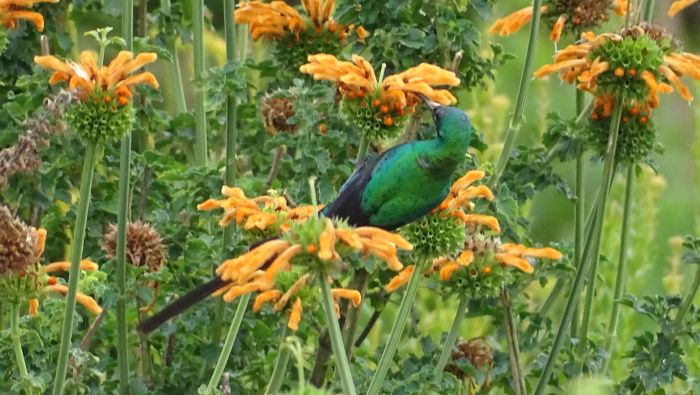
(563, 16)
(297, 35)
(380, 107)
(285, 268)
(462, 243)
(21, 275)
(636, 65)
(144, 245)
(265, 215)
(104, 111)
(637, 135)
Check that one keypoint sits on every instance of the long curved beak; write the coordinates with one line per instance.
(428, 102)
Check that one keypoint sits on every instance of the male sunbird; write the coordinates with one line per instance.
(389, 190)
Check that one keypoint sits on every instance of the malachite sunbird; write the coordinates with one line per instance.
(389, 190)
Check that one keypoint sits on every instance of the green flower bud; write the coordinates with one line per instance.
(100, 117)
(435, 235)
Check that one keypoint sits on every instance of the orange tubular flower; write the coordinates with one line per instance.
(679, 5)
(515, 21)
(263, 212)
(276, 19)
(514, 255)
(358, 80)
(87, 77)
(11, 12)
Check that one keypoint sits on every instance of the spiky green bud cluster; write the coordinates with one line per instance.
(291, 52)
(628, 58)
(370, 120)
(474, 283)
(435, 235)
(100, 117)
(636, 141)
(4, 40)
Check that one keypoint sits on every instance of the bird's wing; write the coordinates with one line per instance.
(347, 204)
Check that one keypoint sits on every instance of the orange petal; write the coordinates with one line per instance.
(351, 294)
(295, 316)
(511, 260)
(265, 297)
(400, 279)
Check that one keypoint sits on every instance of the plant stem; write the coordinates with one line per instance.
(352, 314)
(513, 346)
(362, 149)
(17, 343)
(74, 273)
(578, 210)
(648, 10)
(230, 156)
(621, 267)
(446, 352)
(688, 301)
(180, 101)
(549, 302)
(200, 117)
(341, 360)
(228, 343)
(280, 365)
(525, 78)
(581, 271)
(122, 220)
(397, 328)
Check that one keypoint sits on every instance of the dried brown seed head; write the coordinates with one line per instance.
(144, 245)
(17, 244)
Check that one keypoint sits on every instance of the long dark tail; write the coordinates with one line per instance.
(194, 296)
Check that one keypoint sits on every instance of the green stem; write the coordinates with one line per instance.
(688, 301)
(180, 101)
(231, 141)
(17, 343)
(621, 267)
(363, 148)
(513, 346)
(200, 145)
(648, 10)
(352, 314)
(228, 343)
(397, 328)
(581, 271)
(553, 296)
(122, 220)
(280, 365)
(525, 78)
(74, 273)
(341, 360)
(451, 340)
(579, 209)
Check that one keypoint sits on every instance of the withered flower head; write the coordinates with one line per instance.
(144, 246)
(276, 111)
(18, 244)
(479, 354)
(11, 11)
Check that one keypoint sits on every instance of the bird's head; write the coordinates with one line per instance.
(447, 117)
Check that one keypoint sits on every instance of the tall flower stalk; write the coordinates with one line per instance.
(200, 116)
(387, 358)
(280, 365)
(103, 113)
(175, 69)
(122, 220)
(230, 157)
(17, 343)
(524, 87)
(89, 160)
(582, 270)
